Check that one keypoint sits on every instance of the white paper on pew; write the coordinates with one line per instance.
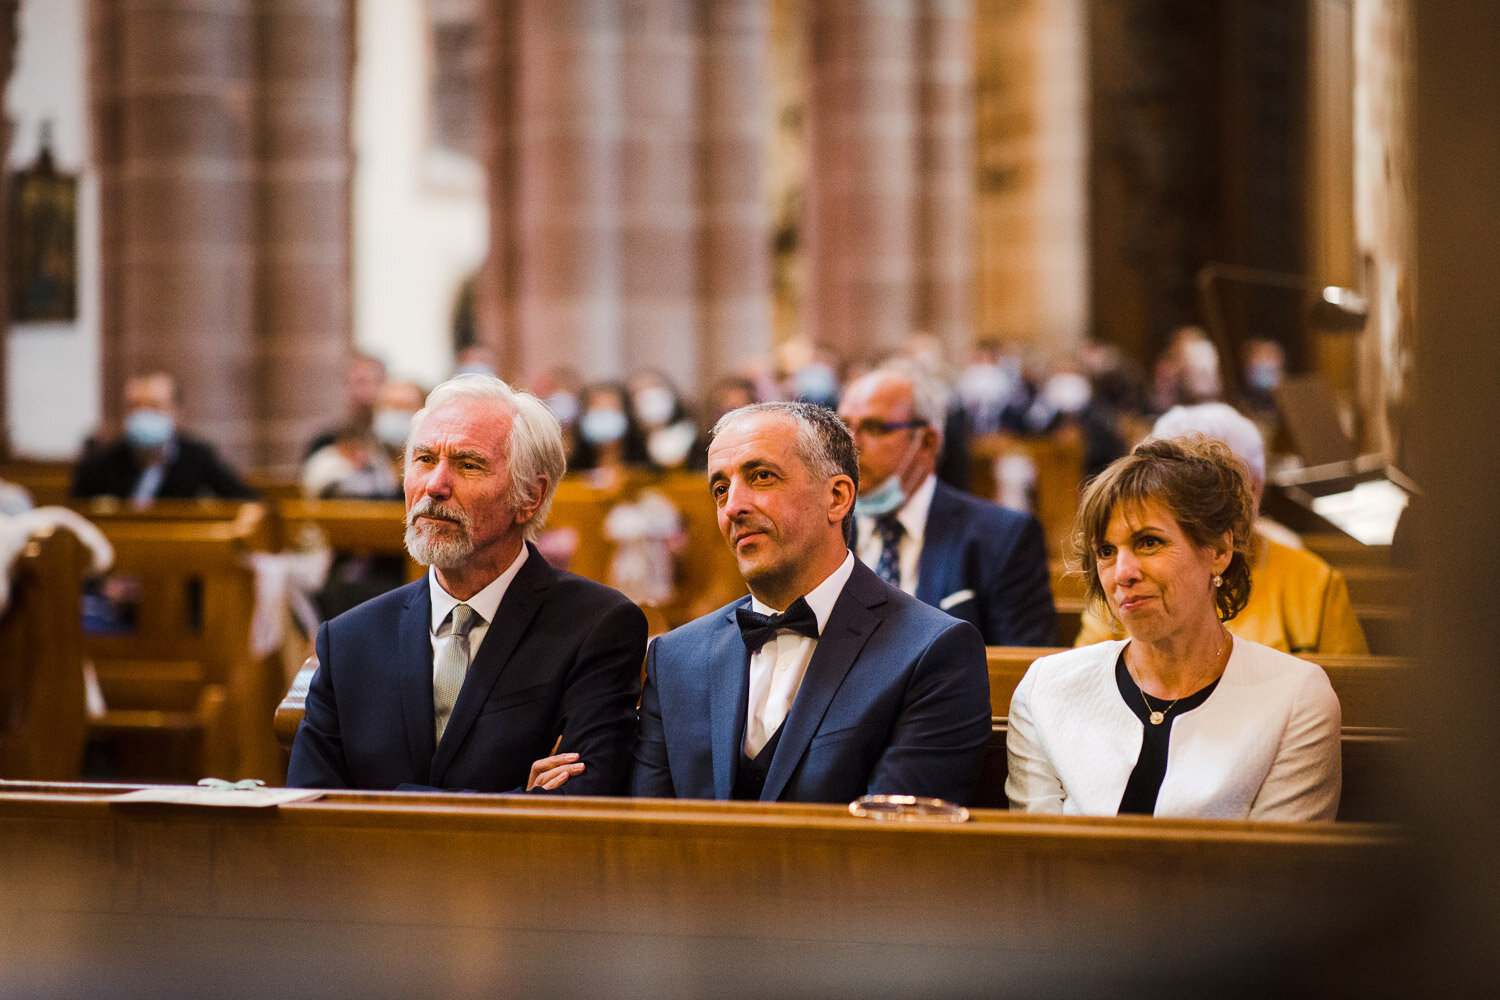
(239, 798)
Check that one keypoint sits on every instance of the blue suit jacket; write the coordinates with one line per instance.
(562, 658)
(896, 700)
(989, 565)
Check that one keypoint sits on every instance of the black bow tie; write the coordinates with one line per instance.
(758, 629)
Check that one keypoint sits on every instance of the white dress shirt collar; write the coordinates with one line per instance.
(821, 598)
(485, 603)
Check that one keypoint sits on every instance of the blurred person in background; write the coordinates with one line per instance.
(609, 437)
(978, 561)
(154, 460)
(671, 435)
(362, 382)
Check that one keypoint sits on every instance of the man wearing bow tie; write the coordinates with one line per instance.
(825, 684)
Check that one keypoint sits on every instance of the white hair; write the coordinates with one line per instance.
(929, 393)
(535, 445)
(1221, 422)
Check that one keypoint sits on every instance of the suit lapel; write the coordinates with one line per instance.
(728, 693)
(523, 598)
(414, 662)
(938, 547)
(849, 627)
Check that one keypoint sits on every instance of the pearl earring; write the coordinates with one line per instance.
(1218, 581)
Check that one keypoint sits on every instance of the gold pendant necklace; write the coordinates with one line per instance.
(1160, 716)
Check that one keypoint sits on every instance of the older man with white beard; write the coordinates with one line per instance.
(493, 660)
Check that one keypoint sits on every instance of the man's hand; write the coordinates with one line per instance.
(553, 772)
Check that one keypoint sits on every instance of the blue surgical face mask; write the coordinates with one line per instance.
(1263, 376)
(391, 427)
(148, 428)
(654, 406)
(883, 499)
(602, 426)
(816, 383)
(564, 406)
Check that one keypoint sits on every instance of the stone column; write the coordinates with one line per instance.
(303, 291)
(659, 195)
(945, 167)
(495, 291)
(862, 175)
(569, 118)
(174, 93)
(736, 232)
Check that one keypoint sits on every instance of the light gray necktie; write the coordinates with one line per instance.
(451, 666)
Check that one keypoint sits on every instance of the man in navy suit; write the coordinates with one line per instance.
(824, 684)
(976, 560)
(493, 660)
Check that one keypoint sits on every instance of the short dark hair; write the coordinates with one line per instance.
(1202, 484)
(823, 443)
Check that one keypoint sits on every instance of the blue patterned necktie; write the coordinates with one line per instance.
(889, 530)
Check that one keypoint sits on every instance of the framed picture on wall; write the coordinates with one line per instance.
(43, 238)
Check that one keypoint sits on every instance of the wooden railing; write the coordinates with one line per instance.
(410, 895)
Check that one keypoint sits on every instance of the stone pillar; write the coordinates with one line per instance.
(303, 291)
(569, 119)
(659, 195)
(8, 39)
(736, 232)
(495, 291)
(1032, 160)
(174, 94)
(945, 168)
(862, 175)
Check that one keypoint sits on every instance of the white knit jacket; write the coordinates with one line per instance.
(1265, 745)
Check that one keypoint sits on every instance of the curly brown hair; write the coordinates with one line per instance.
(1200, 482)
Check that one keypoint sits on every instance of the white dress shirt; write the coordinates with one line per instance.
(485, 604)
(777, 668)
(913, 517)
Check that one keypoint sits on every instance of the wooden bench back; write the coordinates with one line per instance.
(42, 716)
(185, 696)
(1058, 459)
(361, 527)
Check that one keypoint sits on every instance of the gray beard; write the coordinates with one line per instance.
(437, 547)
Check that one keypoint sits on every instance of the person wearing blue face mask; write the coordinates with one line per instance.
(154, 460)
(975, 560)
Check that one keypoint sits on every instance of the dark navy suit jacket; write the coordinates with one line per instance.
(988, 565)
(896, 700)
(562, 658)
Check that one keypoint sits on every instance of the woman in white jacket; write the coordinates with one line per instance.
(1181, 718)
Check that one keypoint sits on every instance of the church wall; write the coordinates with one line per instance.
(52, 368)
(420, 225)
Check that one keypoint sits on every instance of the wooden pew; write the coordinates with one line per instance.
(42, 716)
(706, 575)
(357, 527)
(1058, 459)
(403, 894)
(293, 705)
(47, 481)
(185, 696)
(1343, 552)
(1372, 693)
